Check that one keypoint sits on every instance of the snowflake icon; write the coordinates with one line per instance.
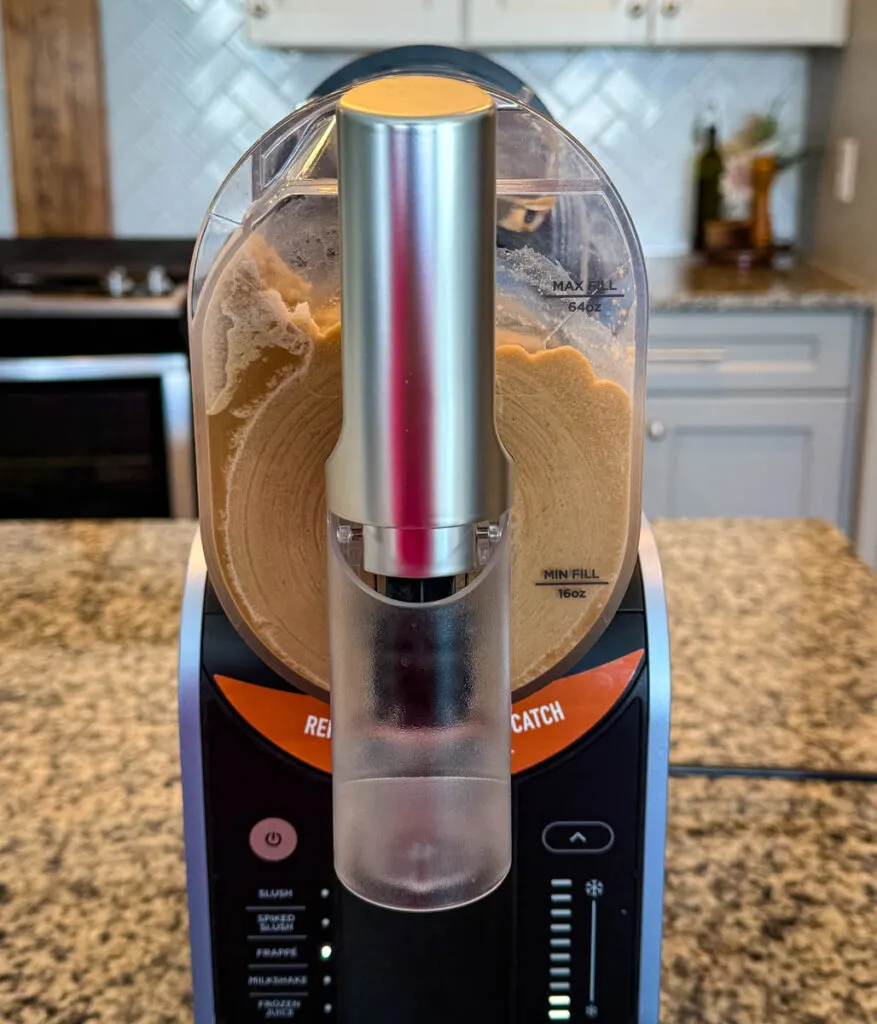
(590, 1010)
(594, 888)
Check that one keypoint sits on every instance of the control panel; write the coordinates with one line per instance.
(570, 908)
(272, 899)
(577, 866)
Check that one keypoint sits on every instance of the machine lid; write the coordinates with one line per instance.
(432, 60)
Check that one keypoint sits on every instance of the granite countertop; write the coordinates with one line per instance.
(771, 908)
(774, 642)
(683, 283)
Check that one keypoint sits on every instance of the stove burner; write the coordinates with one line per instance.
(116, 268)
(117, 283)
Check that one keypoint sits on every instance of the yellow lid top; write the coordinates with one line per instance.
(415, 97)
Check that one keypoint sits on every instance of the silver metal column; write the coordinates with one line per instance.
(419, 462)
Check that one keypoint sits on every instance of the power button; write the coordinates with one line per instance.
(273, 839)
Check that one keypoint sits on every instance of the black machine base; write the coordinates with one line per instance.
(563, 938)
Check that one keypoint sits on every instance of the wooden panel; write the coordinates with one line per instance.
(54, 91)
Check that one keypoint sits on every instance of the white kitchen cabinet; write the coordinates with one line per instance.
(344, 24)
(558, 22)
(751, 22)
(657, 22)
(697, 353)
(764, 456)
(754, 413)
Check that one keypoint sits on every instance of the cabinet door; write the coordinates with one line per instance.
(557, 22)
(751, 22)
(351, 23)
(769, 457)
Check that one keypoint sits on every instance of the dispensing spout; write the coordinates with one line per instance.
(418, 491)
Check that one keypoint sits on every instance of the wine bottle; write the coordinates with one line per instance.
(710, 168)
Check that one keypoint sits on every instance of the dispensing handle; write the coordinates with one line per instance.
(419, 462)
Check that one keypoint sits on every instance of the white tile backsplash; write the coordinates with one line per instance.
(186, 94)
(638, 113)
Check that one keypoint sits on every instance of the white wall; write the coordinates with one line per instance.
(845, 234)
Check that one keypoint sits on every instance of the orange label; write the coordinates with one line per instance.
(542, 724)
(563, 711)
(295, 722)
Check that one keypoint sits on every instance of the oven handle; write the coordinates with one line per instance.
(63, 368)
(176, 404)
(172, 370)
(51, 306)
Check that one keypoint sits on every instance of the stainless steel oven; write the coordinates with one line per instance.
(95, 401)
(96, 436)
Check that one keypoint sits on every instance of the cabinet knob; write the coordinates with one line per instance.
(671, 8)
(656, 430)
(258, 9)
(636, 10)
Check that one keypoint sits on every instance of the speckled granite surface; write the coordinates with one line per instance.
(77, 584)
(771, 903)
(677, 284)
(774, 643)
(771, 911)
(93, 922)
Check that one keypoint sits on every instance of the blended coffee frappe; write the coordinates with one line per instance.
(273, 403)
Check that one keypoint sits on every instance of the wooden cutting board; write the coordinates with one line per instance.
(57, 132)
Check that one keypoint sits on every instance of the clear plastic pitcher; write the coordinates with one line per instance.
(422, 616)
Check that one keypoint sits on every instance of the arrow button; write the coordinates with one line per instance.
(578, 837)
